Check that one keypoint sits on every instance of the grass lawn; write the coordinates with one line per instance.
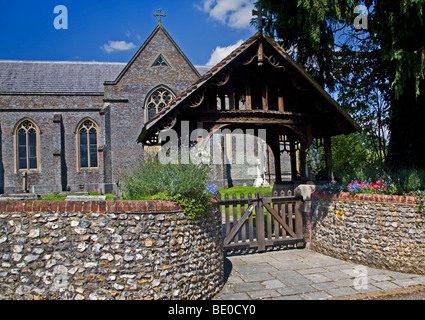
(244, 190)
(238, 191)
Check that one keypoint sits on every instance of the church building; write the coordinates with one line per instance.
(80, 126)
(73, 126)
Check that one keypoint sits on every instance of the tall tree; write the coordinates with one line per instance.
(386, 59)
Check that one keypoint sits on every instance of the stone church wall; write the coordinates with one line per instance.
(57, 117)
(119, 114)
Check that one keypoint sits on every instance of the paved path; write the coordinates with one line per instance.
(302, 274)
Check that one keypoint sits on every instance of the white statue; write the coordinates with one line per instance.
(265, 184)
(259, 179)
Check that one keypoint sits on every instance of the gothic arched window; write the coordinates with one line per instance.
(157, 101)
(26, 143)
(87, 144)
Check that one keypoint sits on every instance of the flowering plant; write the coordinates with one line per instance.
(361, 186)
(367, 186)
(211, 190)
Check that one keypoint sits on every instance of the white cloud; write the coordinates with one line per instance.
(220, 53)
(113, 46)
(234, 13)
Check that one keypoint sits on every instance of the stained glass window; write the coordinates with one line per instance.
(27, 146)
(88, 145)
(158, 101)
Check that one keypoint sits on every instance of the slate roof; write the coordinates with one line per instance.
(56, 76)
(59, 76)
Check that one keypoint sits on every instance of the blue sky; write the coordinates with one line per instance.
(113, 30)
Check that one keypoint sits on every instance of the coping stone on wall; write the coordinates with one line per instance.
(85, 198)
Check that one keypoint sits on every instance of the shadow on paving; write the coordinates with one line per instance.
(303, 274)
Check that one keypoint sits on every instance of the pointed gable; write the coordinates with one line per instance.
(142, 67)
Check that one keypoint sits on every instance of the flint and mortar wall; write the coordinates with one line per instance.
(108, 250)
(375, 230)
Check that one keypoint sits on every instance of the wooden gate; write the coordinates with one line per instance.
(261, 221)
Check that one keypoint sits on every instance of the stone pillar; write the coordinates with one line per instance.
(107, 149)
(2, 184)
(58, 155)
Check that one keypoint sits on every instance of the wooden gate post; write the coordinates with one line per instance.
(259, 217)
(298, 220)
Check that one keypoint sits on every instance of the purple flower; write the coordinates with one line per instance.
(211, 189)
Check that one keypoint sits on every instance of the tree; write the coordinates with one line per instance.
(353, 153)
(308, 30)
(381, 67)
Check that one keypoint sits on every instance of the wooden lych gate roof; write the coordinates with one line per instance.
(258, 84)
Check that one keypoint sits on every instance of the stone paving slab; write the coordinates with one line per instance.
(302, 274)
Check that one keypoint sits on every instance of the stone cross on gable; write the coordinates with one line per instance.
(260, 13)
(159, 15)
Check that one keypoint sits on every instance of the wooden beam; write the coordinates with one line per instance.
(303, 164)
(231, 100)
(259, 214)
(250, 120)
(265, 96)
(273, 142)
(248, 96)
(223, 101)
(281, 101)
(260, 54)
(309, 135)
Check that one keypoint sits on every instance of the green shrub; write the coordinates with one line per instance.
(408, 180)
(184, 184)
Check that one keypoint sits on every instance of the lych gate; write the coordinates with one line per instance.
(259, 86)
